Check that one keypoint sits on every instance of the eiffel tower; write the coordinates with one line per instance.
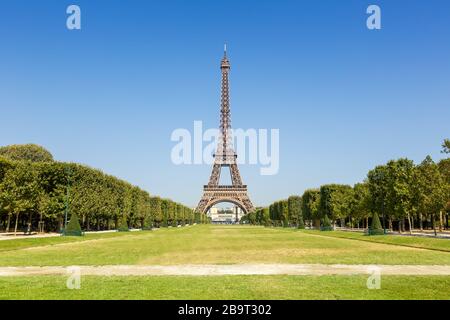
(225, 157)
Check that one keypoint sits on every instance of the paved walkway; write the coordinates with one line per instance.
(237, 269)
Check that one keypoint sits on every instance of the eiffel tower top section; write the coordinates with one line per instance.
(225, 64)
(225, 152)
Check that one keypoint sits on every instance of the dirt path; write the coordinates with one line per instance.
(10, 236)
(237, 269)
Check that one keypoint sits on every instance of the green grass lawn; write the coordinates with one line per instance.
(215, 244)
(226, 288)
(218, 245)
(414, 242)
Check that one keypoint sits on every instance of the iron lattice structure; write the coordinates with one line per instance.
(225, 156)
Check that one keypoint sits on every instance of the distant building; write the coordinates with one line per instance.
(225, 215)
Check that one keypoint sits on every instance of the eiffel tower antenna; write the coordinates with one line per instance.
(225, 156)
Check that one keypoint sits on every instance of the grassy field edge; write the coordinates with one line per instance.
(226, 288)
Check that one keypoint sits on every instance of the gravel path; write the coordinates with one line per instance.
(4, 237)
(236, 269)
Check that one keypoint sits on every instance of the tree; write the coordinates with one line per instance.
(173, 214)
(400, 193)
(165, 212)
(334, 201)
(265, 218)
(295, 211)
(284, 212)
(155, 207)
(359, 207)
(123, 227)
(5, 166)
(310, 206)
(19, 193)
(431, 191)
(28, 152)
(444, 169)
(326, 224)
(272, 212)
(446, 146)
(251, 218)
(179, 214)
(53, 181)
(377, 200)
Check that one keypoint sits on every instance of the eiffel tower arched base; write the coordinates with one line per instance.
(234, 194)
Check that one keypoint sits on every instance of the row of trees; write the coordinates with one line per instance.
(405, 196)
(287, 213)
(35, 192)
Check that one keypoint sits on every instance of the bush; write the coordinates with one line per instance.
(73, 227)
(123, 227)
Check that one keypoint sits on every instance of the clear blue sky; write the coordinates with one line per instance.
(344, 98)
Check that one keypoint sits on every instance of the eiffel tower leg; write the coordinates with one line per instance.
(215, 175)
(235, 176)
(202, 204)
(247, 203)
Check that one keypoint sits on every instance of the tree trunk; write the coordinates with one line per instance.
(8, 222)
(17, 222)
(317, 223)
(434, 224)
(409, 224)
(367, 222)
(30, 219)
(420, 222)
(40, 221)
(446, 226)
(440, 221)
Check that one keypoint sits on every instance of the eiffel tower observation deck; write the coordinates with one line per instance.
(225, 157)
